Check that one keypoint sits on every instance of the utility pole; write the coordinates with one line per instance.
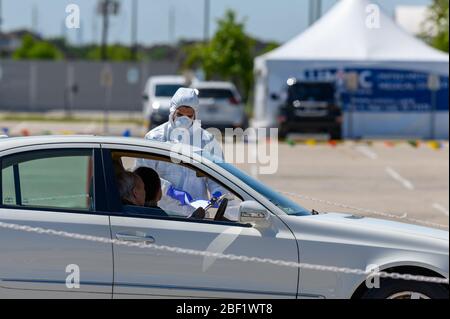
(105, 9)
(207, 13)
(315, 11)
(134, 30)
(105, 17)
(35, 19)
(1, 15)
(319, 9)
(172, 18)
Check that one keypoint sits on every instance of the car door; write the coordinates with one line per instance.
(154, 273)
(57, 187)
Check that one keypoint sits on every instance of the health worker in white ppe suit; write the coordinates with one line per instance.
(181, 186)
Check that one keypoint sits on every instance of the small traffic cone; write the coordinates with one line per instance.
(126, 133)
(333, 143)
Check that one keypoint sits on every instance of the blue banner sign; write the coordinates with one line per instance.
(385, 90)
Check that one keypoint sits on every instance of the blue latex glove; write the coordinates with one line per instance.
(217, 195)
(183, 197)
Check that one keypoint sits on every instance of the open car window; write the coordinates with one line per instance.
(184, 188)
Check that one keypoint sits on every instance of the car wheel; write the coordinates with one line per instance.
(336, 134)
(399, 289)
(282, 133)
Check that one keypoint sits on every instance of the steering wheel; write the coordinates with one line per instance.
(221, 211)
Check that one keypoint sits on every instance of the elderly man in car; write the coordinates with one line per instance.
(133, 195)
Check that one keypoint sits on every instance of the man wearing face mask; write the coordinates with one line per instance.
(181, 183)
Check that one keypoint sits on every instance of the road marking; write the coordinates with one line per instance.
(367, 152)
(440, 208)
(395, 175)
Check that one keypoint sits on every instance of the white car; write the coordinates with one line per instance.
(157, 95)
(68, 184)
(221, 105)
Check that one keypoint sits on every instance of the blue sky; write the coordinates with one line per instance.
(278, 20)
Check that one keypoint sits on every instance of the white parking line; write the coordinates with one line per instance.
(440, 208)
(395, 175)
(367, 152)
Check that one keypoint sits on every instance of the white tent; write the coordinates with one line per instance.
(356, 36)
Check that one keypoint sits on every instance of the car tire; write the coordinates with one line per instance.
(400, 289)
(336, 134)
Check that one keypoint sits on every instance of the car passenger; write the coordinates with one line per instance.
(133, 195)
(153, 190)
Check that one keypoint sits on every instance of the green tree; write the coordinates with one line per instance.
(114, 52)
(435, 29)
(36, 50)
(228, 55)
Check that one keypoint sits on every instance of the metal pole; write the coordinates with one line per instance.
(311, 12)
(315, 10)
(319, 9)
(207, 13)
(433, 114)
(1, 15)
(172, 25)
(105, 15)
(134, 30)
(106, 110)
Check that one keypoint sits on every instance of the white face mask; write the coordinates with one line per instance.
(183, 122)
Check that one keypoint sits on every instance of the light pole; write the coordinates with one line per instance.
(134, 30)
(105, 9)
(1, 15)
(207, 12)
(315, 10)
(171, 20)
(105, 17)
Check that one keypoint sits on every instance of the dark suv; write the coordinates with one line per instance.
(310, 107)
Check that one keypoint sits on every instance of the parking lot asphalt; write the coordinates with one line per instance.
(396, 179)
(391, 178)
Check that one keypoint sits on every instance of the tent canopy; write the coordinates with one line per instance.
(349, 32)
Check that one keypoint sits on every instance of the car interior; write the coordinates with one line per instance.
(215, 209)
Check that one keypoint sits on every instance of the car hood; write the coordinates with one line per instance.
(369, 231)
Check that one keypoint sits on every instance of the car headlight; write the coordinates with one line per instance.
(156, 105)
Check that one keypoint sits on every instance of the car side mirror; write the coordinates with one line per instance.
(145, 97)
(251, 212)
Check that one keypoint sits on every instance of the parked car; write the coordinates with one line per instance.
(69, 184)
(310, 107)
(220, 105)
(157, 95)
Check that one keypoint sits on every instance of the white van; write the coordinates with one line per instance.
(157, 95)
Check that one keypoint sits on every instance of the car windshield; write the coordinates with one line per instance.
(311, 91)
(285, 204)
(215, 94)
(166, 90)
